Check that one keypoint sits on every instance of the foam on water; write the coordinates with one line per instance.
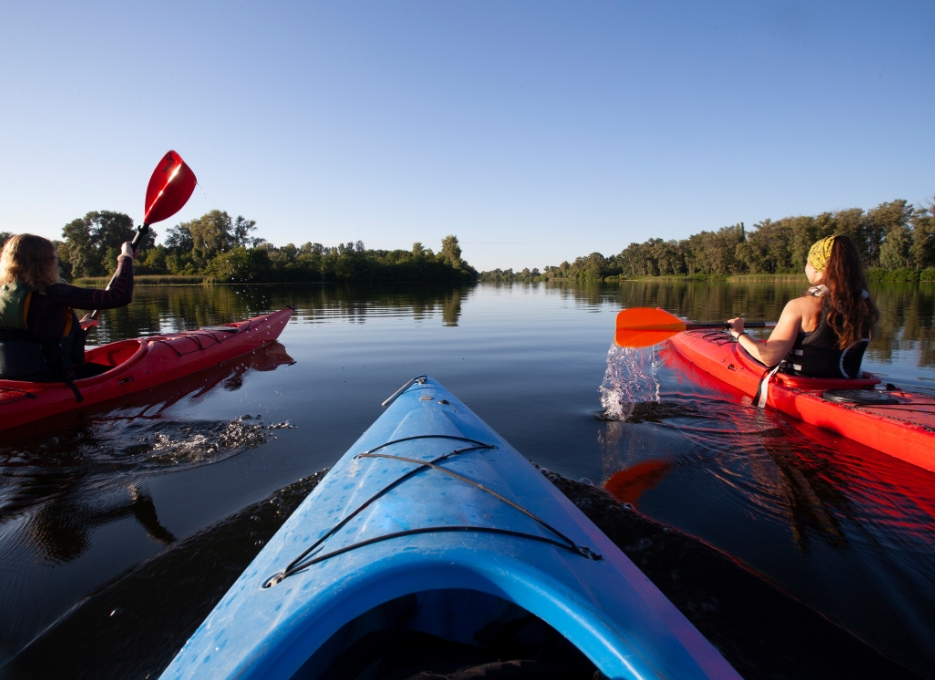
(630, 379)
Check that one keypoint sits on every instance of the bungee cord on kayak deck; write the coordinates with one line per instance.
(301, 563)
(18, 395)
(571, 545)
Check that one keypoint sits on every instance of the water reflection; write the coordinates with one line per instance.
(907, 309)
(90, 471)
(61, 527)
(628, 485)
(157, 310)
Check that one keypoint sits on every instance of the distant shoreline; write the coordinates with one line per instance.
(874, 275)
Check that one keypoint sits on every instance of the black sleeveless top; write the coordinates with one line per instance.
(816, 354)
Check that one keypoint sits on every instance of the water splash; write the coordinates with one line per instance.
(109, 445)
(630, 379)
(193, 445)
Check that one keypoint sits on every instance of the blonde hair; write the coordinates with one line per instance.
(30, 259)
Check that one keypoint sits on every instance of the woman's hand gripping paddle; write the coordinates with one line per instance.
(646, 326)
(170, 187)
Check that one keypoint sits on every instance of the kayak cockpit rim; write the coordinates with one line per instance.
(484, 629)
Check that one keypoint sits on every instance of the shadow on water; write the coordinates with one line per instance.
(167, 596)
(725, 600)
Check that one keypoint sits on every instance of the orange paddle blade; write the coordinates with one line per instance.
(646, 326)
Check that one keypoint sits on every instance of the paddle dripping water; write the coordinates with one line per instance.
(630, 380)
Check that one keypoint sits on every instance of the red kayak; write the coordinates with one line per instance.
(140, 364)
(894, 421)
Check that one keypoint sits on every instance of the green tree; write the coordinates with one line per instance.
(179, 239)
(211, 234)
(242, 230)
(92, 242)
(923, 236)
(242, 264)
(885, 218)
(895, 251)
(451, 251)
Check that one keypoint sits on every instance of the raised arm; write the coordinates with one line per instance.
(119, 294)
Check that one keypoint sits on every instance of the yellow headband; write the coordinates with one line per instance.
(820, 252)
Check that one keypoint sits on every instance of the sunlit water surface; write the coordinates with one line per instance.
(95, 506)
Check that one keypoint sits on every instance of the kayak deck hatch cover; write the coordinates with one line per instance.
(433, 528)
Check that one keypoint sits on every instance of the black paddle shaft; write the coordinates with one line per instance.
(137, 239)
(723, 324)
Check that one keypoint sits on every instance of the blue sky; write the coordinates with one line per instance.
(534, 131)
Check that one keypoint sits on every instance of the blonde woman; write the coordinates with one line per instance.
(41, 338)
(824, 333)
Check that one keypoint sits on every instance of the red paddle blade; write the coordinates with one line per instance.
(627, 338)
(646, 326)
(649, 319)
(169, 188)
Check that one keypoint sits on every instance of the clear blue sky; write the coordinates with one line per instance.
(535, 131)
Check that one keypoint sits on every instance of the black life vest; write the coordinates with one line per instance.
(816, 354)
(23, 356)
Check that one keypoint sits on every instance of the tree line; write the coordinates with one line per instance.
(895, 239)
(224, 249)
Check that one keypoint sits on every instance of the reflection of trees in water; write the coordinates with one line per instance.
(907, 309)
(175, 308)
(814, 488)
(907, 312)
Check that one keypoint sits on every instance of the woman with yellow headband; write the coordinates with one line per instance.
(824, 333)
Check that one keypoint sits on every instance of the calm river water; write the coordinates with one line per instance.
(121, 526)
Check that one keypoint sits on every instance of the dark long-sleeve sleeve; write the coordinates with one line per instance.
(47, 323)
(120, 293)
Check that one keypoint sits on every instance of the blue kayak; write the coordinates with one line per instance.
(433, 549)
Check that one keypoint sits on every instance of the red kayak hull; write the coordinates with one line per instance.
(140, 364)
(905, 430)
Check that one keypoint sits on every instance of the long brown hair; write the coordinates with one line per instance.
(30, 259)
(848, 306)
